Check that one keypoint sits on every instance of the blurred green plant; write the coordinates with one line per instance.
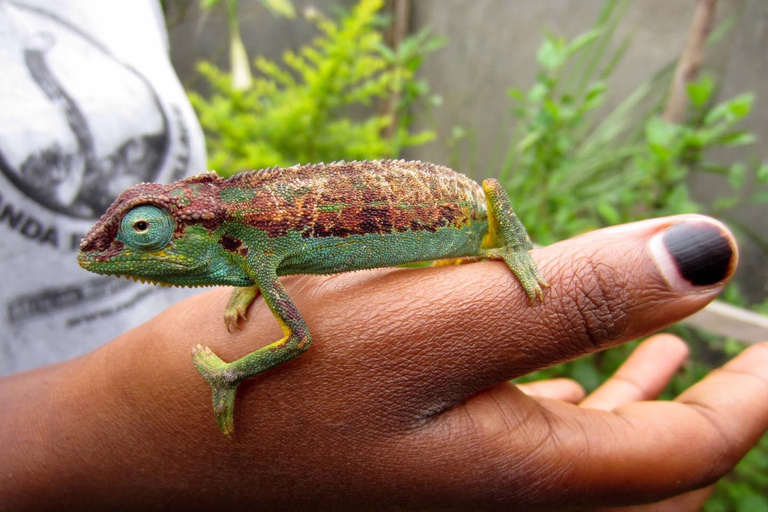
(239, 66)
(573, 166)
(308, 108)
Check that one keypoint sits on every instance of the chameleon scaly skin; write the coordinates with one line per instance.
(248, 230)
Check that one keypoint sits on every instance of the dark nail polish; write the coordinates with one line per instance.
(702, 252)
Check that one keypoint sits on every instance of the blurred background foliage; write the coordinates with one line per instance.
(570, 164)
(310, 107)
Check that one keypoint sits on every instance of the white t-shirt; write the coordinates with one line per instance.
(89, 105)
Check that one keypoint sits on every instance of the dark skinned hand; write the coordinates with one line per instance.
(403, 401)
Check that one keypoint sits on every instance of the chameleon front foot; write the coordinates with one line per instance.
(223, 381)
(238, 304)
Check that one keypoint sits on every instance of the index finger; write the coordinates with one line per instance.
(607, 287)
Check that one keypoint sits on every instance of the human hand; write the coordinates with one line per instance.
(641, 377)
(403, 400)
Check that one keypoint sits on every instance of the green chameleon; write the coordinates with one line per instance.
(250, 229)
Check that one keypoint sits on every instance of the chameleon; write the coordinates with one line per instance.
(250, 229)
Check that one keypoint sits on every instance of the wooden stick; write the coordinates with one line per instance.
(398, 32)
(726, 320)
(690, 60)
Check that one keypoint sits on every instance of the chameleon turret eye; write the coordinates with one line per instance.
(146, 227)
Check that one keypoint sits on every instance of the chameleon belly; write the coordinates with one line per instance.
(357, 252)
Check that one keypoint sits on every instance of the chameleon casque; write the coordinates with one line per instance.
(248, 230)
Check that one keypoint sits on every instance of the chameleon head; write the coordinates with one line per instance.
(160, 233)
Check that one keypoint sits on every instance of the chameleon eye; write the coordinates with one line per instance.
(146, 227)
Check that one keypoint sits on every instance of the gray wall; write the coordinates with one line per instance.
(492, 46)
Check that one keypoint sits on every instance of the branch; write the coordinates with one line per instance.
(397, 34)
(690, 60)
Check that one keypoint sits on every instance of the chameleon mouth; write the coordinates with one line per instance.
(93, 267)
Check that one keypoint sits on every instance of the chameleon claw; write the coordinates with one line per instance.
(234, 318)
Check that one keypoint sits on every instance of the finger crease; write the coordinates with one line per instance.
(763, 380)
(710, 415)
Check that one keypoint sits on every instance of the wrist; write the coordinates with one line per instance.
(43, 437)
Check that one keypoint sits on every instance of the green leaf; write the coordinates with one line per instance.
(609, 213)
(552, 107)
(731, 110)
(538, 92)
(528, 141)
(715, 114)
(762, 172)
(425, 42)
(582, 40)
(516, 94)
(552, 53)
(595, 96)
(701, 90)
(737, 138)
(678, 200)
(737, 175)
(726, 203)
(741, 105)
(207, 4)
(659, 133)
(595, 90)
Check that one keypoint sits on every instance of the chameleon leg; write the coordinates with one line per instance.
(511, 240)
(238, 303)
(225, 377)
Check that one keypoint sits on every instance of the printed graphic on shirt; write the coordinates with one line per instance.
(79, 126)
(95, 124)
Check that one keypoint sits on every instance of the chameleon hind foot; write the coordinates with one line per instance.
(223, 381)
(522, 265)
(509, 240)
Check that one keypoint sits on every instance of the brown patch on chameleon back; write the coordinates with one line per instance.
(192, 200)
(342, 199)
